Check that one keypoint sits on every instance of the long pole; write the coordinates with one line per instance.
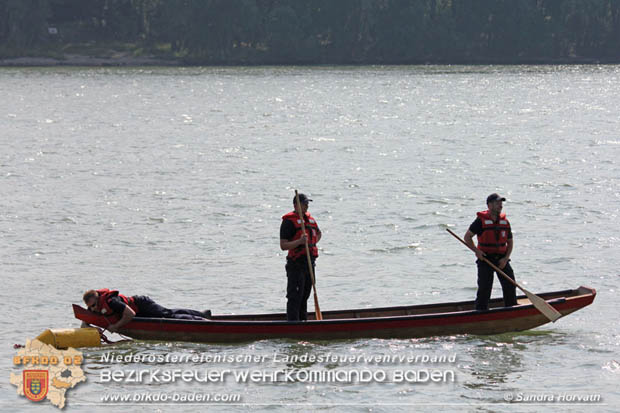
(317, 309)
(542, 306)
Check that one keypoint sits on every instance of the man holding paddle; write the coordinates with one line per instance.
(495, 244)
(299, 237)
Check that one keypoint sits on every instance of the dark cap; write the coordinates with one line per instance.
(302, 199)
(494, 197)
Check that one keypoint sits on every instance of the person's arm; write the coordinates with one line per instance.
(128, 315)
(286, 245)
(474, 229)
(469, 240)
(287, 231)
(504, 260)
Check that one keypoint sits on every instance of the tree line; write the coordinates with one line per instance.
(319, 31)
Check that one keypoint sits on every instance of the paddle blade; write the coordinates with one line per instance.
(317, 309)
(543, 306)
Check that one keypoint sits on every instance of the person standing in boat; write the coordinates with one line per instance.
(495, 243)
(292, 239)
(110, 302)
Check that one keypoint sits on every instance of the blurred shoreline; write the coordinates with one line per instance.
(127, 59)
(120, 59)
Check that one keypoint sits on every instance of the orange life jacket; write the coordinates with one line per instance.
(105, 295)
(311, 226)
(494, 236)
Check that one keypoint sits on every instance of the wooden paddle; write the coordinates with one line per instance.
(542, 306)
(317, 309)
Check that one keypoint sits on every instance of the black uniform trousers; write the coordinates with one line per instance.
(298, 288)
(149, 308)
(485, 283)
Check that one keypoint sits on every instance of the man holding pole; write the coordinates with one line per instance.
(495, 244)
(299, 237)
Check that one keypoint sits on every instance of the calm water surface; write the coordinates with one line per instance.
(172, 182)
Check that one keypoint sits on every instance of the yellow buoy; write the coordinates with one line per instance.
(62, 338)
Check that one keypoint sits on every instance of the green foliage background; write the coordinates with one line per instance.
(317, 31)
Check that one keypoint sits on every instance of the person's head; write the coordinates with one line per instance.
(91, 299)
(494, 203)
(304, 201)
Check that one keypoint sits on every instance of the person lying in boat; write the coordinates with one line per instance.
(109, 302)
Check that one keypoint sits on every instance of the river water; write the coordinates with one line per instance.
(172, 182)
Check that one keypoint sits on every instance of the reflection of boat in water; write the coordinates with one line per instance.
(388, 322)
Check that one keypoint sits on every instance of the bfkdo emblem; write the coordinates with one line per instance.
(36, 384)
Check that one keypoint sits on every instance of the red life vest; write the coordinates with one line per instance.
(105, 295)
(494, 236)
(311, 226)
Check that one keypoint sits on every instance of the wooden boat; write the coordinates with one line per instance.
(388, 322)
